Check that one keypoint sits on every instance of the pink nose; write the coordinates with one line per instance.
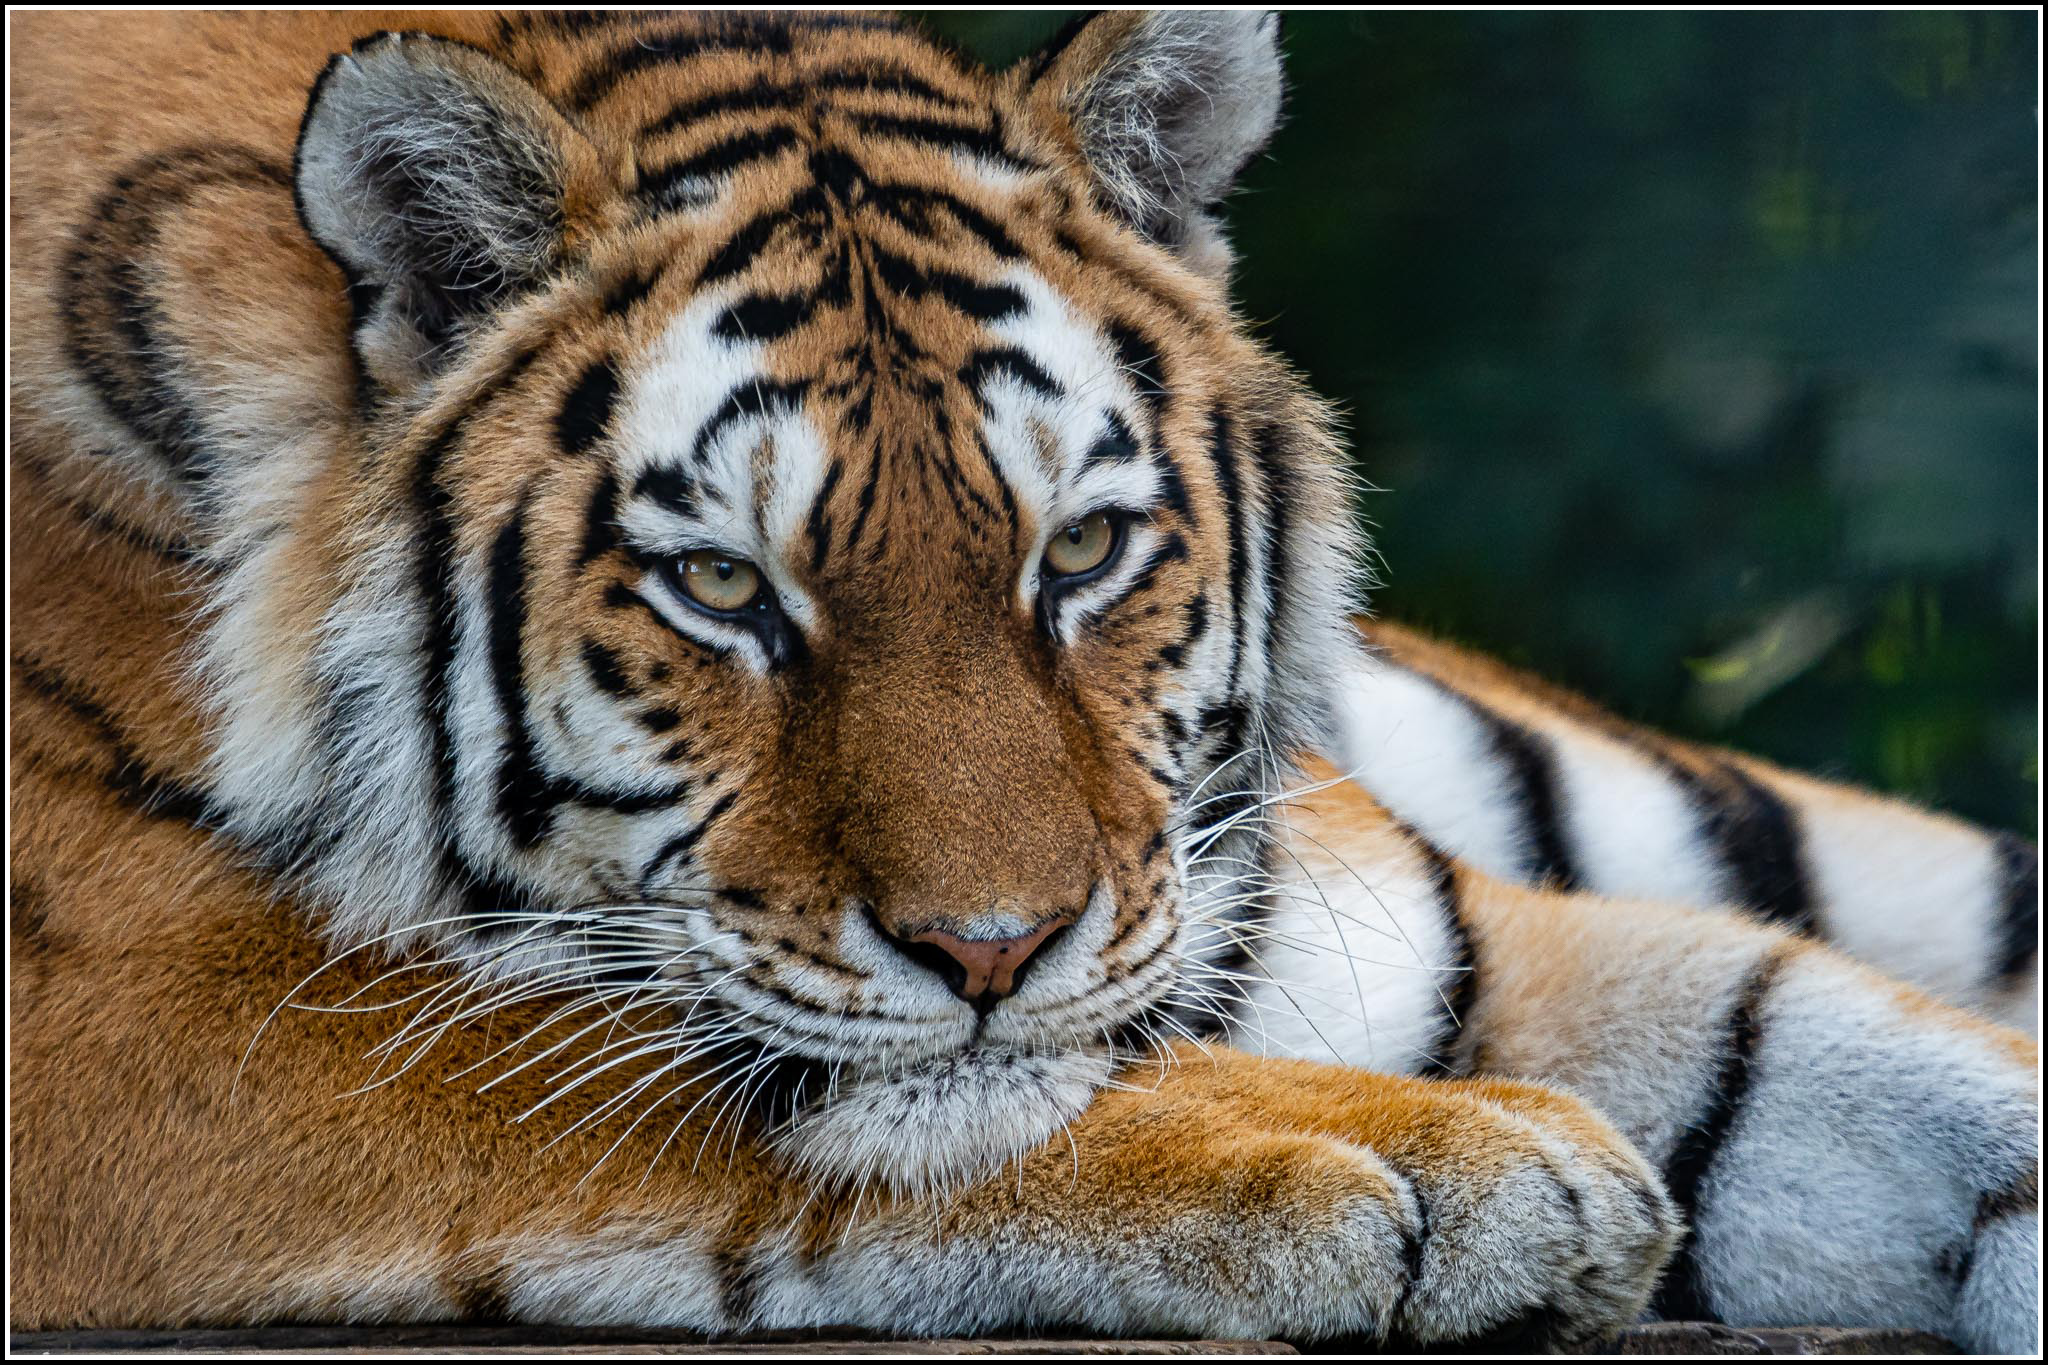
(980, 971)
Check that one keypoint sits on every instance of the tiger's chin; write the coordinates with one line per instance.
(944, 1122)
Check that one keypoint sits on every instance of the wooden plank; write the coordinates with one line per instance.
(583, 1341)
(1714, 1339)
(1662, 1338)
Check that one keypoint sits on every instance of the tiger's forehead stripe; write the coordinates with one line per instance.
(614, 60)
(711, 426)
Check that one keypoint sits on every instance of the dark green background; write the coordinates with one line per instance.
(1695, 355)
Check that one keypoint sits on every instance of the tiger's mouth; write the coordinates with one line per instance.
(881, 1009)
(907, 1093)
(917, 1106)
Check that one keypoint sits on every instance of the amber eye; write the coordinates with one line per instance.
(1083, 546)
(718, 581)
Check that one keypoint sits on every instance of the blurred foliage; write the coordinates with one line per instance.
(1694, 355)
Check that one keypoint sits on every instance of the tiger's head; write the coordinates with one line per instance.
(819, 552)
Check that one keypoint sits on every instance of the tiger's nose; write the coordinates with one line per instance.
(981, 971)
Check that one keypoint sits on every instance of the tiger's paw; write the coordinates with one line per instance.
(1294, 1236)
(1417, 1212)
(1242, 1197)
(1543, 1228)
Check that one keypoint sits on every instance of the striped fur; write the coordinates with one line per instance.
(1533, 785)
(366, 431)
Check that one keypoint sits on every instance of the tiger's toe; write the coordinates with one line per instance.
(1549, 1232)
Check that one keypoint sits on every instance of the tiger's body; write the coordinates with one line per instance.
(384, 439)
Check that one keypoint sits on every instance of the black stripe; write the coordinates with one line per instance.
(734, 33)
(1007, 360)
(600, 521)
(867, 500)
(1684, 1294)
(1758, 840)
(522, 795)
(106, 523)
(605, 670)
(759, 94)
(908, 205)
(1197, 619)
(528, 795)
(940, 133)
(435, 581)
(2019, 917)
(739, 250)
(751, 237)
(763, 94)
(882, 80)
(819, 525)
(1139, 360)
(568, 23)
(687, 840)
(954, 481)
(129, 777)
(1246, 841)
(1173, 549)
(837, 174)
(1173, 490)
(114, 324)
(1462, 988)
(1274, 482)
(1116, 446)
(587, 411)
(667, 485)
(1532, 785)
(983, 302)
(619, 301)
(765, 317)
(749, 399)
(720, 158)
(1223, 454)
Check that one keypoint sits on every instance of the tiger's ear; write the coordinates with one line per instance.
(443, 185)
(1169, 106)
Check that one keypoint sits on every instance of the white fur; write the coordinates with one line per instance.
(1913, 893)
(1420, 750)
(946, 1122)
(1357, 962)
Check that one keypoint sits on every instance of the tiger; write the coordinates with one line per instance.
(688, 670)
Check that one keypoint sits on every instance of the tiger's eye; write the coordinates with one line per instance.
(719, 581)
(1081, 546)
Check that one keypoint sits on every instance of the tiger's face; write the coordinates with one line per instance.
(866, 584)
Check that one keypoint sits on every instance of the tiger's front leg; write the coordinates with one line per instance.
(1234, 1196)
(206, 1181)
(1844, 1150)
